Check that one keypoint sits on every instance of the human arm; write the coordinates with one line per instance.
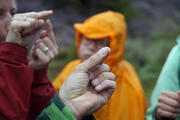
(21, 33)
(42, 89)
(15, 82)
(168, 80)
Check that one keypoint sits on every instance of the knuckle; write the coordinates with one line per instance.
(164, 93)
(113, 76)
(103, 76)
(160, 99)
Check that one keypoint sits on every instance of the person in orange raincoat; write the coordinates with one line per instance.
(109, 29)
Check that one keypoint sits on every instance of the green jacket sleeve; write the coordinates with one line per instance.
(168, 79)
(56, 110)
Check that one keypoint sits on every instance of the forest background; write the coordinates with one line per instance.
(153, 26)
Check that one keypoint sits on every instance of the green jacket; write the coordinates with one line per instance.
(56, 110)
(169, 79)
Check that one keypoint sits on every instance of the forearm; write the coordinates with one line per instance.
(167, 81)
(42, 91)
(15, 80)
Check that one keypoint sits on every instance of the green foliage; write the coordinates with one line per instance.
(148, 56)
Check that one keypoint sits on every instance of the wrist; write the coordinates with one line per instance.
(12, 37)
(14, 42)
(16, 38)
(37, 67)
(71, 107)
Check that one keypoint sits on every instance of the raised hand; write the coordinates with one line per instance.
(44, 50)
(168, 105)
(89, 86)
(24, 27)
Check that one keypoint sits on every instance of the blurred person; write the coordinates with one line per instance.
(23, 82)
(165, 100)
(24, 87)
(109, 29)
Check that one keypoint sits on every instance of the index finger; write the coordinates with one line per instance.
(50, 32)
(94, 60)
(39, 15)
(172, 95)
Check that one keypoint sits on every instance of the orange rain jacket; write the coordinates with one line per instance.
(128, 100)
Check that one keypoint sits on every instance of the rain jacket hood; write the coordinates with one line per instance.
(128, 100)
(110, 25)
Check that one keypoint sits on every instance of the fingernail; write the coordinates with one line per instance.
(91, 76)
(102, 51)
(99, 87)
(95, 81)
(49, 11)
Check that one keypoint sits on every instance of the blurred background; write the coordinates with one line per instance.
(153, 26)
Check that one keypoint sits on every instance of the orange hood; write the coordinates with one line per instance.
(105, 25)
(128, 101)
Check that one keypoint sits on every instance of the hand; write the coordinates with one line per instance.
(89, 86)
(24, 27)
(39, 58)
(168, 105)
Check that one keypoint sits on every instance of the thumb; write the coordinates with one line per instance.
(94, 60)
